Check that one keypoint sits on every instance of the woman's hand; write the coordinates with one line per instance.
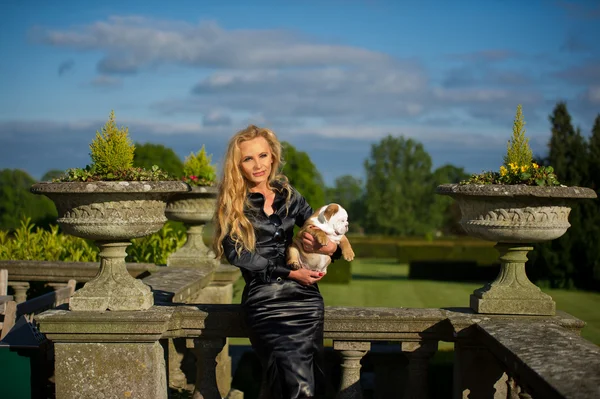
(305, 276)
(310, 244)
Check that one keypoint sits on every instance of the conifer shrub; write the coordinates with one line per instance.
(112, 154)
(112, 150)
(518, 167)
(198, 170)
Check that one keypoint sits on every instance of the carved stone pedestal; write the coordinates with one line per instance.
(108, 355)
(113, 288)
(514, 216)
(111, 213)
(512, 292)
(195, 208)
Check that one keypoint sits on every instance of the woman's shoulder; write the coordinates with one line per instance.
(284, 187)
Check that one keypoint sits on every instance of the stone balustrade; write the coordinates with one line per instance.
(58, 273)
(496, 356)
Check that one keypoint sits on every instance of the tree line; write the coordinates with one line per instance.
(397, 195)
(573, 259)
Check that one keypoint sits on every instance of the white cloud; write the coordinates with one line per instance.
(106, 81)
(282, 78)
(133, 43)
(593, 94)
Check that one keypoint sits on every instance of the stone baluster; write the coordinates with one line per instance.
(352, 353)
(418, 354)
(20, 288)
(206, 351)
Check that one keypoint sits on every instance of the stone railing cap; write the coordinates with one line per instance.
(204, 189)
(517, 190)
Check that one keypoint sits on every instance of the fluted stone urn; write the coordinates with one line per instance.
(111, 214)
(195, 209)
(514, 216)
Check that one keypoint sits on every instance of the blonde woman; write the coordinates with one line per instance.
(256, 212)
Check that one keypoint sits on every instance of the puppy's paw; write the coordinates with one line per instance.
(348, 254)
(320, 237)
(294, 265)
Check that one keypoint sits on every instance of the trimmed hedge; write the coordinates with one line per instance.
(338, 272)
(408, 249)
(451, 271)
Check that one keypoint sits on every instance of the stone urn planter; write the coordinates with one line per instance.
(111, 213)
(195, 209)
(514, 216)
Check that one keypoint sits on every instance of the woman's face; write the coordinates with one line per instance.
(256, 161)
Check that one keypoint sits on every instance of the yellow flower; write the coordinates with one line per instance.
(535, 166)
(524, 168)
(513, 167)
(503, 171)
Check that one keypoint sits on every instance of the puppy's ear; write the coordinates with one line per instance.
(326, 215)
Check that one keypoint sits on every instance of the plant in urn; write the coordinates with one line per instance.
(521, 204)
(195, 209)
(111, 202)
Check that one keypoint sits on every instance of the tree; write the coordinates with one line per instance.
(399, 188)
(446, 211)
(147, 155)
(17, 202)
(303, 175)
(565, 261)
(594, 155)
(568, 152)
(586, 248)
(349, 192)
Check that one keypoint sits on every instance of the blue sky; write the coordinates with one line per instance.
(331, 77)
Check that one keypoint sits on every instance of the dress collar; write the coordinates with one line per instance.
(257, 200)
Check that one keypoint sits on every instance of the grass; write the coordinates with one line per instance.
(384, 283)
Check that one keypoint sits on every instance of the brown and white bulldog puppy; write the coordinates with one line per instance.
(330, 223)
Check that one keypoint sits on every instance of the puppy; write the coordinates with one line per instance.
(331, 222)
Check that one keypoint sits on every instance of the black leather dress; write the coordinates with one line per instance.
(285, 318)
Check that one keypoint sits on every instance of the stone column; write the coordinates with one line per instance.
(108, 355)
(477, 373)
(20, 288)
(352, 353)
(418, 354)
(206, 351)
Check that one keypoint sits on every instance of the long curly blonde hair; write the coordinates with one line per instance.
(233, 190)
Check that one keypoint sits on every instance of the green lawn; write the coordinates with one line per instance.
(382, 282)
